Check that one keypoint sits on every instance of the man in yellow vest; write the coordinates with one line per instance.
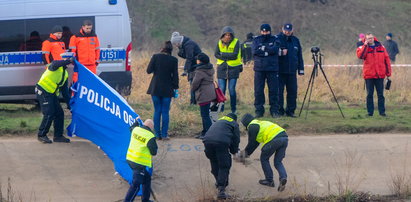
(220, 140)
(139, 157)
(229, 65)
(52, 82)
(275, 142)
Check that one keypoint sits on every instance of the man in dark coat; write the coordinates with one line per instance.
(266, 51)
(290, 63)
(246, 51)
(391, 47)
(221, 139)
(188, 49)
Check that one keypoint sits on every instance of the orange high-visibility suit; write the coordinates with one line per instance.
(52, 48)
(87, 50)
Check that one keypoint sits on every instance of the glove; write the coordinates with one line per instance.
(262, 48)
(300, 72)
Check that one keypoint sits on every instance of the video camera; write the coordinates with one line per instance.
(315, 49)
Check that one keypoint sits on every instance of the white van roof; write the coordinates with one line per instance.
(31, 9)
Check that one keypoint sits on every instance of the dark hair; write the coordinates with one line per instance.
(87, 22)
(34, 33)
(167, 48)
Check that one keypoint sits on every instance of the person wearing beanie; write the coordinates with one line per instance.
(86, 45)
(163, 86)
(203, 88)
(229, 65)
(53, 47)
(291, 63)
(221, 139)
(246, 51)
(274, 140)
(188, 50)
(391, 46)
(266, 51)
(361, 37)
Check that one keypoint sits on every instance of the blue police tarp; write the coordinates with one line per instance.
(102, 116)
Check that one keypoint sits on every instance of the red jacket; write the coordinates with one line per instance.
(86, 47)
(376, 61)
(52, 48)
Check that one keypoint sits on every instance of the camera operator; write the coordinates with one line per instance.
(376, 67)
(290, 63)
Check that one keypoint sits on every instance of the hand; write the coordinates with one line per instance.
(285, 51)
(262, 48)
(388, 78)
(365, 42)
(300, 72)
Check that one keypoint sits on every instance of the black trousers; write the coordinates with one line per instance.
(288, 81)
(140, 177)
(52, 112)
(378, 84)
(220, 160)
(259, 97)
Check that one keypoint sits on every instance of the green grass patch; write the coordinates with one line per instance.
(185, 120)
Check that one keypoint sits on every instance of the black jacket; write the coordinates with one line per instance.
(223, 70)
(224, 132)
(265, 51)
(189, 50)
(165, 78)
(293, 61)
(392, 48)
(253, 130)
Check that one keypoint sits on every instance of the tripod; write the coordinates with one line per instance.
(317, 58)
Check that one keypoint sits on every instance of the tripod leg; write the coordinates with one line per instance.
(329, 85)
(309, 97)
(306, 91)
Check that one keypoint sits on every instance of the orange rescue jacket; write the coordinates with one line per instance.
(86, 47)
(52, 48)
(377, 64)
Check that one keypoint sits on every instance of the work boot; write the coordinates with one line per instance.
(281, 187)
(259, 115)
(44, 139)
(61, 139)
(275, 115)
(221, 193)
(265, 182)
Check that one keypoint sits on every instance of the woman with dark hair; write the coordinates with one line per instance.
(203, 86)
(162, 87)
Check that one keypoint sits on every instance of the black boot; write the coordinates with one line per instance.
(265, 182)
(282, 184)
(44, 139)
(61, 139)
(221, 193)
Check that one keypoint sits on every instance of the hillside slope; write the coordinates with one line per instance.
(334, 26)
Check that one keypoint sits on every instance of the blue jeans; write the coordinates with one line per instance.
(379, 87)
(161, 114)
(205, 117)
(278, 146)
(222, 83)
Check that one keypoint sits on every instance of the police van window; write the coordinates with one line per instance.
(28, 35)
(12, 35)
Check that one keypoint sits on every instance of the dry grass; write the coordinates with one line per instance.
(400, 184)
(346, 82)
(348, 173)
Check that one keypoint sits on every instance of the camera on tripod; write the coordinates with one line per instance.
(315, 49)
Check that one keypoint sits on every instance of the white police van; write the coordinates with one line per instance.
(24, 24)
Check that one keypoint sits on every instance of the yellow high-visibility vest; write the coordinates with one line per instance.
(267, 132)
(230, 49)
(51, 81)
(226, 118)
(138, 151)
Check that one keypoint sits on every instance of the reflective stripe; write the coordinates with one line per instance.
(72, 47)
(226, 118)
(98, 47)
(138, 151)
(229, 49)
(267, 132)
(46, 52)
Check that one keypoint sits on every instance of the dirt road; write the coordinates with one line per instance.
(79, 171)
